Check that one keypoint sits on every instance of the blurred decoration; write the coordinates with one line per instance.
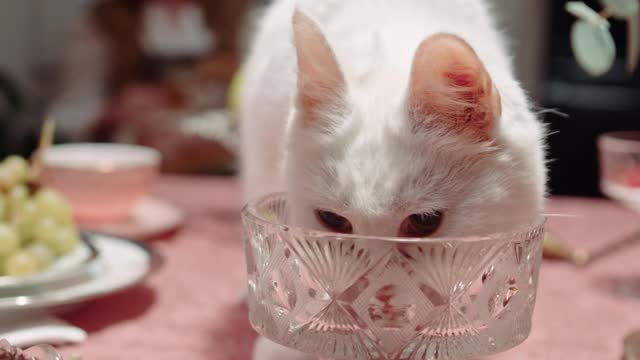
(190, 141)
(592, 43)
(234, 92)
(150, 66)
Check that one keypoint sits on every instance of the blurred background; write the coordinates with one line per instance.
(158, 73)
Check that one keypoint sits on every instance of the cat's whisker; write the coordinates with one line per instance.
(563, 215)
(552, 111)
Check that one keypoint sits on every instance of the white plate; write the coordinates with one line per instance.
(122, 264)
(69, 266)
(150, 218)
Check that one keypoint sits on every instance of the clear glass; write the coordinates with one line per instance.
(38, 352)
(620, 167)
(354, 297)
(43, 352)
(620, 181)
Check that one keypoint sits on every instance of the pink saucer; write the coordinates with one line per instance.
(150, 218)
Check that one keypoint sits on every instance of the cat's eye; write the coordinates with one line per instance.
(334, 222)
(421, 225)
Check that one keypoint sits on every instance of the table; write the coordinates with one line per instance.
(189, 308)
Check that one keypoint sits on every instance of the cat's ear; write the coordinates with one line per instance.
(321, 83)
(450, 89)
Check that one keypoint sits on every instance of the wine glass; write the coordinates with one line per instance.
(620, 167)
(620, 181)
(356, 297)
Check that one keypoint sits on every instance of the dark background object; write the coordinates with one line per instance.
(594, 105)
(11, 105)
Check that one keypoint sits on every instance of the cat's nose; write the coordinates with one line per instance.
(377, 228)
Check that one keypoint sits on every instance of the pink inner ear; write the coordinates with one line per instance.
(451, 89)
(320, 80)
(461, 80)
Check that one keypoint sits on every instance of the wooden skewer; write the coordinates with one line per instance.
(46, 139)
(555, 248)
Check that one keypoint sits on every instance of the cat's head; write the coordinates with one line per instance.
(431, 161)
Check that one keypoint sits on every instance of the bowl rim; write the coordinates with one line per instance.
(620, 141)
(146, 157)
(250, 212)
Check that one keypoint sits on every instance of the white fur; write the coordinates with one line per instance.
(371, 168)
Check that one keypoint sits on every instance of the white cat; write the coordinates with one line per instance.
(391, 118)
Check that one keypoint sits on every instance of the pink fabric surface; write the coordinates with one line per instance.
(188, 309)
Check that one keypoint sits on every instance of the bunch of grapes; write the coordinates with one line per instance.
(36, 225)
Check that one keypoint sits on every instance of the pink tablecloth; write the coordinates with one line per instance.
(188, 309)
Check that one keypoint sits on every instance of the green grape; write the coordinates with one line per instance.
(7, 177)
(22, 263)
(43, 254)
(64, 241)
(9, 240)
(52, 204)
(45, 230)
(17, 196)
(25, 220)
(3, 207)
(19, 166)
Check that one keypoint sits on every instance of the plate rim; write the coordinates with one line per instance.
(44, 300)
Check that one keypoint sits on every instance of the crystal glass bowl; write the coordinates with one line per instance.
(620, 167)
(360, 298)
